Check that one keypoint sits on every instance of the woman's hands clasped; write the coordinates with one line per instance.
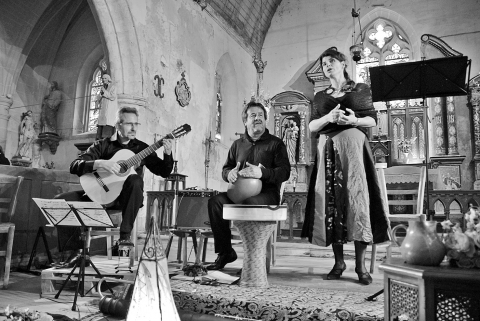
(340, 117)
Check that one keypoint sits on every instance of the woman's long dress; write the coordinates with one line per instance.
(344, 201)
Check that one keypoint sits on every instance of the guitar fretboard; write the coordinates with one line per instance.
(137, 158)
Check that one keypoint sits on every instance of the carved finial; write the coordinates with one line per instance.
(259, 64)
(201, 3)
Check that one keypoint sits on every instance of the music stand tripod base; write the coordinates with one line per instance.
(125, 250)
(81, 263)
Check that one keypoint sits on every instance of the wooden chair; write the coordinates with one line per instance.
(414, 177)
(111, 233)
(9, 186)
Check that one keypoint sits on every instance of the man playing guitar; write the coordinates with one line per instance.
(98, 158)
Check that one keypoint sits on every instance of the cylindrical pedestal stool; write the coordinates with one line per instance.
(255, 223)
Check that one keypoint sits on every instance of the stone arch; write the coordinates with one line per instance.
(89, 66)
(455, 207)
(439, 207)
(395, 18)
(120, 39)
(472, 202)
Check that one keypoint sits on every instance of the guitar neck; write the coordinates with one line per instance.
(137, 158)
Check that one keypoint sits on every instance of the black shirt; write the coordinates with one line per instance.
(268, 150)
(106, 149)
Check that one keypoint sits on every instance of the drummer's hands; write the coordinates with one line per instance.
(233, 174)
(251, 171)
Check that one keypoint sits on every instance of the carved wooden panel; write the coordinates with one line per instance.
(292, 115)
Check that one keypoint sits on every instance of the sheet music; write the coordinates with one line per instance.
(57, 212)
(92, 214)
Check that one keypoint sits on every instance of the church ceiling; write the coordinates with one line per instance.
(247, 21)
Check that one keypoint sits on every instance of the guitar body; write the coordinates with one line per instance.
(114, 183)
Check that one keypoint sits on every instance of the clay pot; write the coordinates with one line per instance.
(422, 246)
(243, 188)
(114, 307)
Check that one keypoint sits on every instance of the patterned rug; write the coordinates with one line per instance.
(277, 302)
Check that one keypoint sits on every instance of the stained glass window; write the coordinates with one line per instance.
(93, 109)
(384, 44)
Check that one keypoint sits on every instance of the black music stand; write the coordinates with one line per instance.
(58, 212)
(440, 77)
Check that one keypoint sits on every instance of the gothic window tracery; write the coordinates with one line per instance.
(387, 44)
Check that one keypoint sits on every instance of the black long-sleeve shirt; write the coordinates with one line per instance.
(268, 150)
(107, 147)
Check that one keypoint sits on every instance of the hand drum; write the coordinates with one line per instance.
(243, 188)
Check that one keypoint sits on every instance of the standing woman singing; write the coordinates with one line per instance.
(344, 201)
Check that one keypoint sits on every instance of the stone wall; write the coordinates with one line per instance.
(140, 39)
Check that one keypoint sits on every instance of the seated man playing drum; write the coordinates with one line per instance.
(256, 155)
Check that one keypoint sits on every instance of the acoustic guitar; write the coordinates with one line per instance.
(104, 187)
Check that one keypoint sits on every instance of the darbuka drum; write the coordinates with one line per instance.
(243, 188)
(255, 223)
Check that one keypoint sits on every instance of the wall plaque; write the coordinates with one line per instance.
(183, 91)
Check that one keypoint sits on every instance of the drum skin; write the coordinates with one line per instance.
(243, 188)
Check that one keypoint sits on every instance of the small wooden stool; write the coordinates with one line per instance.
(255, 223)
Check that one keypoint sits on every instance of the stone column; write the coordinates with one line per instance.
(301, 154)
(452, 127)
(5, 104)
(475, 102)
(260, 66)
(439, 132)
(475, 105)
(277, 125)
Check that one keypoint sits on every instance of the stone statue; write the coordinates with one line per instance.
(37, 159)
(290, 138)
(51, 103)
(106, 102)
(27, 135)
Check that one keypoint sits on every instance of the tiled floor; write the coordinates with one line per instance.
(297, 264)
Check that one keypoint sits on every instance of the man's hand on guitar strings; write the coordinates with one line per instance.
(109, 165)
(167, 146)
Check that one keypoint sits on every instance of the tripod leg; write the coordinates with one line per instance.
(34, 250)
(47, 249)
(66, 281)
(80, 281)
(99, 275)
(372, 297)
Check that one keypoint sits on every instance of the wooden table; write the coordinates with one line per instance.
(430, 292)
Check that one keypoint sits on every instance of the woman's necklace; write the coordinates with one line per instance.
(343, 88)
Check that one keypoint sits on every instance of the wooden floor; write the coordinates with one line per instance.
(298, 264)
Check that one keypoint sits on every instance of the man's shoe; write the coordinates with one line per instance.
(222, 260)
(127, 242)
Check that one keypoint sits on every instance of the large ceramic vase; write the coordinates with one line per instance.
(422, 246)
(243, 188)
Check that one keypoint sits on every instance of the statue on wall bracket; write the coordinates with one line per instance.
(48, 118)
(23, 155)
(182, 91)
